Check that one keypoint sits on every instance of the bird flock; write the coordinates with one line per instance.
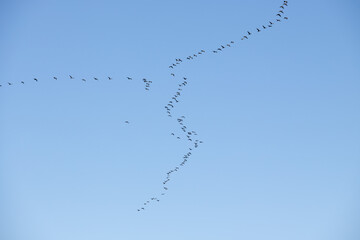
(147, 83)
(187, 134)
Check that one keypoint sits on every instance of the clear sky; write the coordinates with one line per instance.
(278, 113)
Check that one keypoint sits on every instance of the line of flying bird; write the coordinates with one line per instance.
(147, 83)
(188, 135)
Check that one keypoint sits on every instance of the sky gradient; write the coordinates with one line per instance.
(279, 116)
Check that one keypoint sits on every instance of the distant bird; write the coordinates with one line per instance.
(263, 27)
(271, 23)
(258, 29)
(129, 78)
(249, 32)
(71, 77)
(278, 20)
(127, 122)
(173, 75)
(96, 79)
(84, 80)
(232, 42)
(278, 14)
(286, 18)
(22, 82)
(55, 78)
(109, 78)
(35, 79)
(9, 83)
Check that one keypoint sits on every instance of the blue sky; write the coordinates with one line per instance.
(278, 114)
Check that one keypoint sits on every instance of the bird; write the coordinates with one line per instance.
(9, 83)
(258, 29)
(127, 122)
(84, 80)
(286, 18)
(71, 77)
(129, 78)
(35, 79)
(172, 74)
(278, 14)
(55, 78)
(96, 79)
(271, 23)
(263, 27)
(109, 78)
(22, 82)
(249, 32)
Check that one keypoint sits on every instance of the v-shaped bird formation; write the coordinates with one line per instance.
(188, 135)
